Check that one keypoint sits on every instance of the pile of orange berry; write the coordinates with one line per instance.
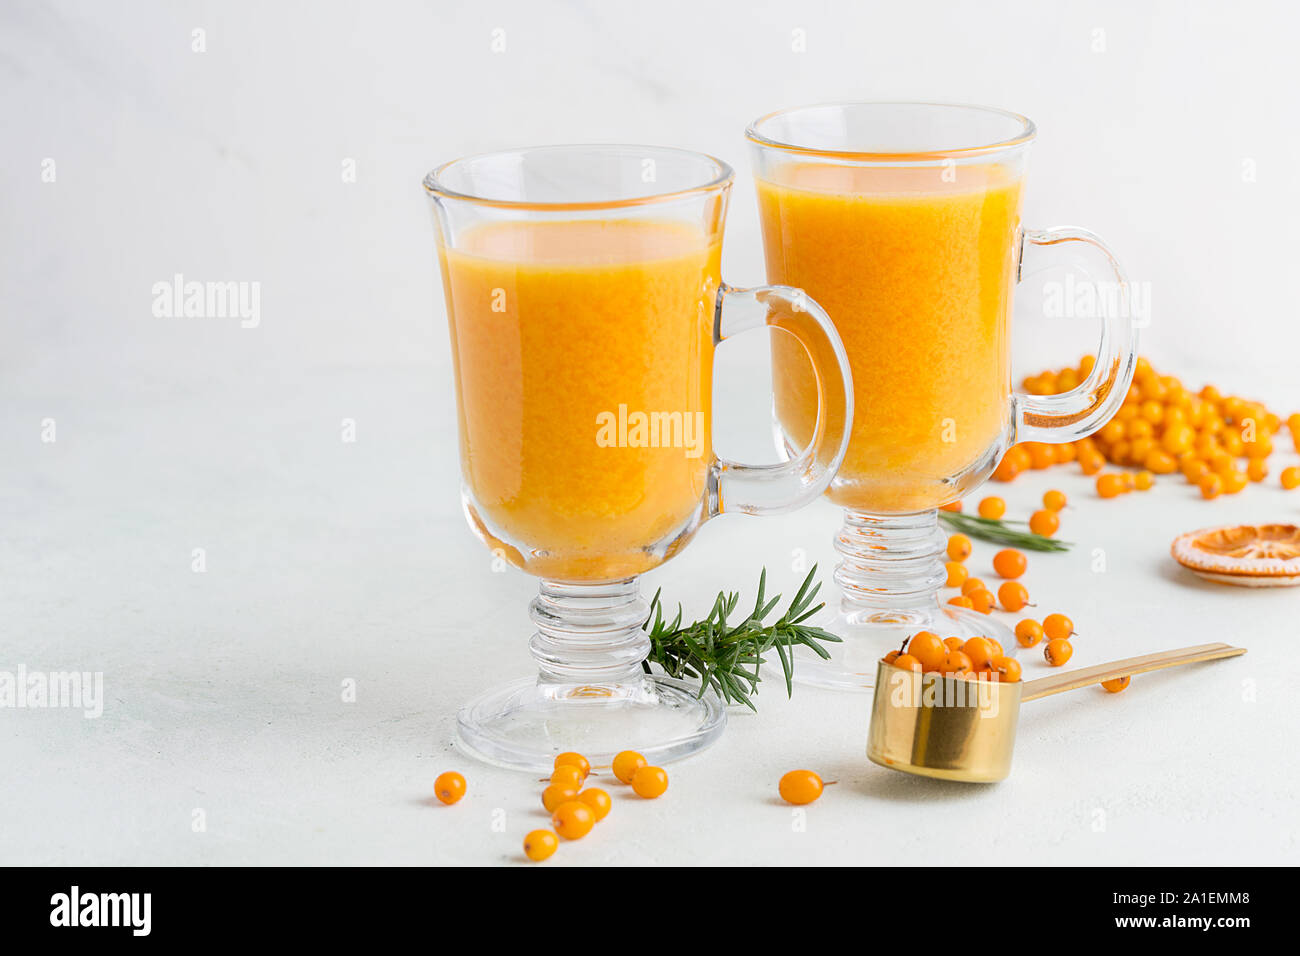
(1057, 629)
(573, 809)
(1220, 443)
(1009, 564)
(976, 658)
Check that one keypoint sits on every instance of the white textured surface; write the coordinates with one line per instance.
(328, 561)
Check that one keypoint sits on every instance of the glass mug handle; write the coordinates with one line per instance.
(1084, 409)
(787, 485)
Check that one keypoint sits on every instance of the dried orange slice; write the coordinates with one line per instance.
(1255, 556)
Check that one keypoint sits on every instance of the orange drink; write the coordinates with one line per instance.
(584, 385)
(915, 267)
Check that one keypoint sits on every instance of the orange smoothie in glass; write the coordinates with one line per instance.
(915, 266)
(584, 350)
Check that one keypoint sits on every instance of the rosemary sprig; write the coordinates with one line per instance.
(1002, 532)
(727, 656)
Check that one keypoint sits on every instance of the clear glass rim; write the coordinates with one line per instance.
(722, 176)
(1026, 133)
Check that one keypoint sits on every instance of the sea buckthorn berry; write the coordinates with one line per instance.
(650, 782)
(981, 599)
(1257, 469)
(1058, 626)
(1162, 463)
(971, 584)
(1261, 447)
(1041, 456)
(961, 600)
(1007, 669)
(1009, 563)
(626, 764)
(1028, 632)
(1116, 684)
(1234, 481)
(1013, 596)
(1177, 439)
(892, 656)
(568, 777)
(1057, 651)
(570, 759)
(1112, 431)
(908, 663)
(449, 787)
(1139, 428)
(540, 844)
(956, 574)
(959, 547)
(980, 651)
(957, 662)
(1110, 485)
(1194, 469)
(1006, 470)
(800, 787)
(1065, 453)
(952, 644)
(598, 800)
(951, 506)
(1019, 456)
(573, 819)
(927, 648)
(1044, 522)
(1091, 463)
(1211, 486)
(997, 646)
(1291, 477)
(554, 795)
(1054, 500)
(992, 507)
(1143, 480)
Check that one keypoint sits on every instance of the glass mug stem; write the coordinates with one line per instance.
(589, 633)
(890, 561)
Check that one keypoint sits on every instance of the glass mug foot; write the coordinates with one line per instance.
(591, 696)
(868, 634)
(524, 724)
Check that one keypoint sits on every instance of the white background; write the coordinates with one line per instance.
(1169, 128)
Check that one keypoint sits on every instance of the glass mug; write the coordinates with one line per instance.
(903, 221)
(585, 302)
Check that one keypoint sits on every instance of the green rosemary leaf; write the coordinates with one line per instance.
(725, 654)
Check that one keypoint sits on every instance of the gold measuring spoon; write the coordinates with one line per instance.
(956, 729)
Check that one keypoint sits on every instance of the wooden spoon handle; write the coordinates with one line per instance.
(1087, 676)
